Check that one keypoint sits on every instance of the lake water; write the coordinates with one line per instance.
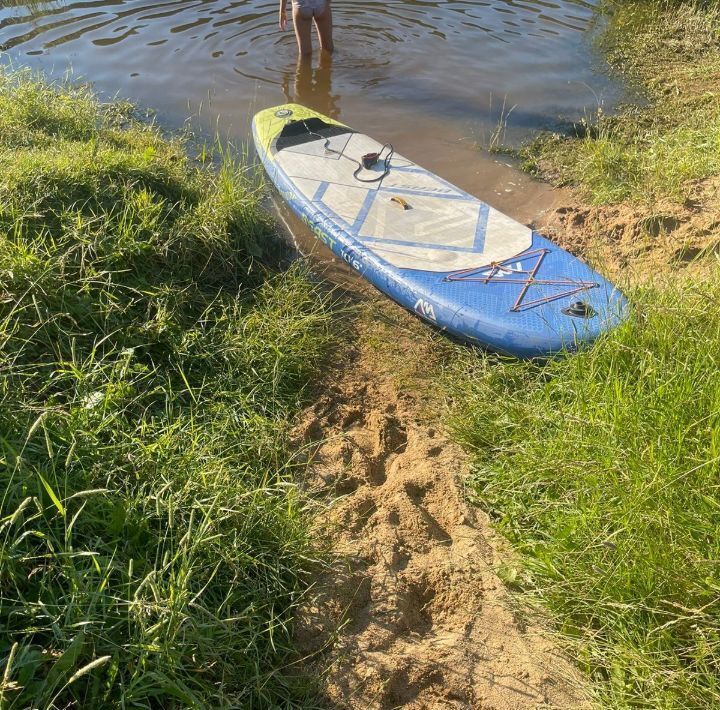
(435, 78)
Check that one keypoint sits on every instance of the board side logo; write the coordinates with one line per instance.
(325, 238)
(425, 309)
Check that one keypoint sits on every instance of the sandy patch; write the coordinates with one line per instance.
(413, 613)
(639, 242)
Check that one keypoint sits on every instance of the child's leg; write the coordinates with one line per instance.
(302, 21)
(323, 22)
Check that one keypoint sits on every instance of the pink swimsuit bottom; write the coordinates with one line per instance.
(316, 7)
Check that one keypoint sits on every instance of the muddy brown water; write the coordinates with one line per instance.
(435, 78)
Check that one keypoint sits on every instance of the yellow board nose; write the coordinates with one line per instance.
(269, 122)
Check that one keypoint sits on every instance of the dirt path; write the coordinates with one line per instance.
(424, 621)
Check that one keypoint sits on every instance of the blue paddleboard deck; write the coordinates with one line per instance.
(431, 247)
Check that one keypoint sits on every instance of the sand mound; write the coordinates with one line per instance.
(413, 613)
(640, 242)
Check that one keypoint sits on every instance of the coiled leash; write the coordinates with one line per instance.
(370, 160)
(367, 162)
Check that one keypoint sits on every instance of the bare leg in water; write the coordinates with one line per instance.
(305, 12)
(323, 24)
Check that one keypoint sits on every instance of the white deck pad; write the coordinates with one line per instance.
(444, 229)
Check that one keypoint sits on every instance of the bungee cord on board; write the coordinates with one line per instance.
(369, 160)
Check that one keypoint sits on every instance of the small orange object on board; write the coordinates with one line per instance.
(401, 202)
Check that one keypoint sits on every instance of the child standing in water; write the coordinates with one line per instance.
(304, 13)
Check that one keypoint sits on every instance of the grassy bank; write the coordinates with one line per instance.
(603, 468)
(670, 53)
(151, 544)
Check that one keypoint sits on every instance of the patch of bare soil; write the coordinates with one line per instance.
(640, 242)
(412, 614)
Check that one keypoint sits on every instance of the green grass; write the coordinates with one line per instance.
(643, 154)
(603, 469)
(152, 545)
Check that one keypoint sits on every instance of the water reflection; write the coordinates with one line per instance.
(312, 86)
(32, 5)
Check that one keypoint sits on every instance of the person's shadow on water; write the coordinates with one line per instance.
(312, 87)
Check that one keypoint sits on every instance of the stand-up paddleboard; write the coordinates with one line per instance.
(433, 248)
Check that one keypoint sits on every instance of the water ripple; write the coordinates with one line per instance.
(449, 54)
